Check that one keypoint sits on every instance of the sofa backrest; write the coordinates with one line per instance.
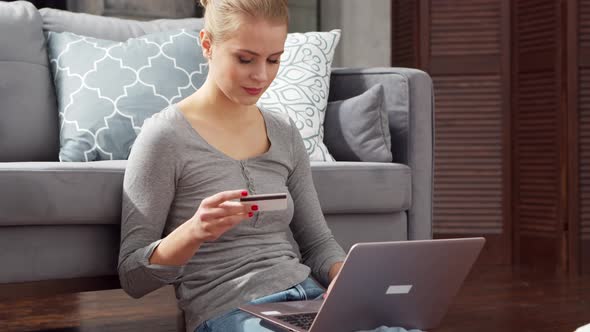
(28, 110)
(110, 28)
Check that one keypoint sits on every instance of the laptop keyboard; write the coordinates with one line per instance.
(300, 320)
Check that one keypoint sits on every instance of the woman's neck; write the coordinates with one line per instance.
(209, 101)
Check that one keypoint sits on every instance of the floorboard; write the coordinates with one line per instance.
(491, 299)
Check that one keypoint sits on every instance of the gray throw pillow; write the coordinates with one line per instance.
(106, 89)
(357, 129)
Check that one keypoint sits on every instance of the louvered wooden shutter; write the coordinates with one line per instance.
(584, 135)
(468, 42)
(512, 91)
(539, 175)
(404, 31)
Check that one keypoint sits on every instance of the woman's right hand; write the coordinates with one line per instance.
(218, 213)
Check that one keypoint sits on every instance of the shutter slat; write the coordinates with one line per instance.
(584, 141)
(468, 154)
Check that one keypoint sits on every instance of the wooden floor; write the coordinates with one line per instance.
(492, 299)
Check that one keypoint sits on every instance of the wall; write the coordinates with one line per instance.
(303, 15)
(366, 31)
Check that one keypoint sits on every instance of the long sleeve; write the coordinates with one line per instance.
(148, 190)
(319, 249)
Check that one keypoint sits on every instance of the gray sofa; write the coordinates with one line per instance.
(59, 222)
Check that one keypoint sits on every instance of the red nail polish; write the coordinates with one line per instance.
(250, 214)
(255, 207)
(244, 193)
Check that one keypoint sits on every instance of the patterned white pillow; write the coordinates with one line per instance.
(301, 87)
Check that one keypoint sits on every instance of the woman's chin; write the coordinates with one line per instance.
(243, 99)
(247, 100)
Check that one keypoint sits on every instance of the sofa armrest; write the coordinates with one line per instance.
(409, 100)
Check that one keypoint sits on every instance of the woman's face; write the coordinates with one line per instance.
(244, 65)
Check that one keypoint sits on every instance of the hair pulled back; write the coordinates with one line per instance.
(222, 16)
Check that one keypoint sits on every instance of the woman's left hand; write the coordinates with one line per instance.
(334, 271)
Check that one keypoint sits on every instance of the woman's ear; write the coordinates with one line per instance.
(206, 43)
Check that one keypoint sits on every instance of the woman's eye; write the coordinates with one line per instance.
(275, 62)
(242, 60)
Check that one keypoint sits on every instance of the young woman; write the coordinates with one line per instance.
(181, 223)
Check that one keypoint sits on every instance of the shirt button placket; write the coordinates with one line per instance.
(250, 185)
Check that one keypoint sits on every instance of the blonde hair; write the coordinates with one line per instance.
(220, 15)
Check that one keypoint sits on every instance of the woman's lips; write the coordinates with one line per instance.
(253, 91)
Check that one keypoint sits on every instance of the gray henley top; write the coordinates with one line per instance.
(171, 169)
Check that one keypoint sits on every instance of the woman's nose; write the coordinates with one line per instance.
(261, 74)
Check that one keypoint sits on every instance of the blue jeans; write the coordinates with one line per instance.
(240, 321)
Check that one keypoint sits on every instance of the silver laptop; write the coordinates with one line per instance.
(407, 284)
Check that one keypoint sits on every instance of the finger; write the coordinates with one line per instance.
(215, 200)
(224, 211)
(214, 214)
(236, 207)
(232, 221)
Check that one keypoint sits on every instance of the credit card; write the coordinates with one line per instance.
(267, 202)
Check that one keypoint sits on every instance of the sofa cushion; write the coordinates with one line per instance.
(110, 28)
(40, 193)
(357, 129)
(362, 187)
(61, 193)
(28, 122)
(106, 89)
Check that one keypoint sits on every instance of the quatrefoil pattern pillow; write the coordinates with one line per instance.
(301, 87)
(107, 89)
